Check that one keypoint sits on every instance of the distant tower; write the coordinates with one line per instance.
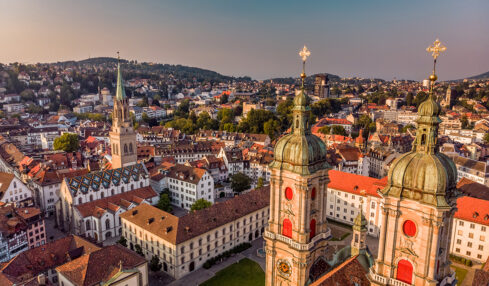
(449, 98)
(122, 136)
(321, 86)
(418, 207)
(297, 233)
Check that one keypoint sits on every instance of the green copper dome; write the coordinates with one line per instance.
(300, 152)
(429, 108)
(424, 174)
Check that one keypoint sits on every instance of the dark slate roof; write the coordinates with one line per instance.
(106, 178)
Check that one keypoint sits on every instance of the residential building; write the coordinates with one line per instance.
(13, 190)
(477, 171)
(348, 193)
(189, 184)
(184, 244)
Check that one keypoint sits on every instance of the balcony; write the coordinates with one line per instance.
(386, 281)
(297, 245)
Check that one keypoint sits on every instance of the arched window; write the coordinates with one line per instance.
(122, 189)
(87, 225)
(91, 197)
(102, 195)
(130, 148)
(297, 123)
(132, 187)
(405, 271)
(287, 228)
(140, 184)
(15, 184)
(312, 226)
(112, 192)
(423, 139)
(125, 148)
(107, 224)
(313, 193)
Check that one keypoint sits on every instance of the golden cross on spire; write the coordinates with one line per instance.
(436, 49)
(304, 53)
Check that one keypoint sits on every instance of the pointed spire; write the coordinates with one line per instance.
(120, 93)
(428, 111)
(301, 109)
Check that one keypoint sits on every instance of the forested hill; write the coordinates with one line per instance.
(177, 71)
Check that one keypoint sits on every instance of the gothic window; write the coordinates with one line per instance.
(107, 224)
(122, 189)
(91, 197)
(312, 226)
(87, 225)
(287, 228)
(125, 148)
(423, 139)
(130, 148)
(405, 271)
(80, 200)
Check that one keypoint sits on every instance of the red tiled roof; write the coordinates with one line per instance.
(472, 209)
(100, 266)
(355, 184)
(98, 207)
(348, 273)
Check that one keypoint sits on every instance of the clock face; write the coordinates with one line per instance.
(284, 267)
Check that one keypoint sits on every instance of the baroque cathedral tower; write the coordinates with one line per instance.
(122, 135)
(418, 207)
(297, 231)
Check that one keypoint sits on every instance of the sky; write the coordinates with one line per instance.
(261, 39)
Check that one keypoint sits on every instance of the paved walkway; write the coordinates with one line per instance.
(470, 272)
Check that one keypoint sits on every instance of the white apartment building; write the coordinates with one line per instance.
(477, 171)
(470, 233)
(348, 192)
(12, 190)
(189, 184)
(407, 117)
(184, 244)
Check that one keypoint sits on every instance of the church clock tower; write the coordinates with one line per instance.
(418, 207)
(297, 231)
(122, 135)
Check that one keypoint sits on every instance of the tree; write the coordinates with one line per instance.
(200, 204)
(223, 99)
(240, 182)
(271, 128)
(122, 241)
(138, 249)
(260, 182)
(155, 264)
(164, 202)
(409, 99)
(67, 142)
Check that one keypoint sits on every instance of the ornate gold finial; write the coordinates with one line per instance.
(304, 53)
(435, 51)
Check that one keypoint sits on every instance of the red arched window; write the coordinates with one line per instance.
(409, 228)
(312, 226)
(287, 228)
(289, 194)
(313, 193)
(405, 271)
